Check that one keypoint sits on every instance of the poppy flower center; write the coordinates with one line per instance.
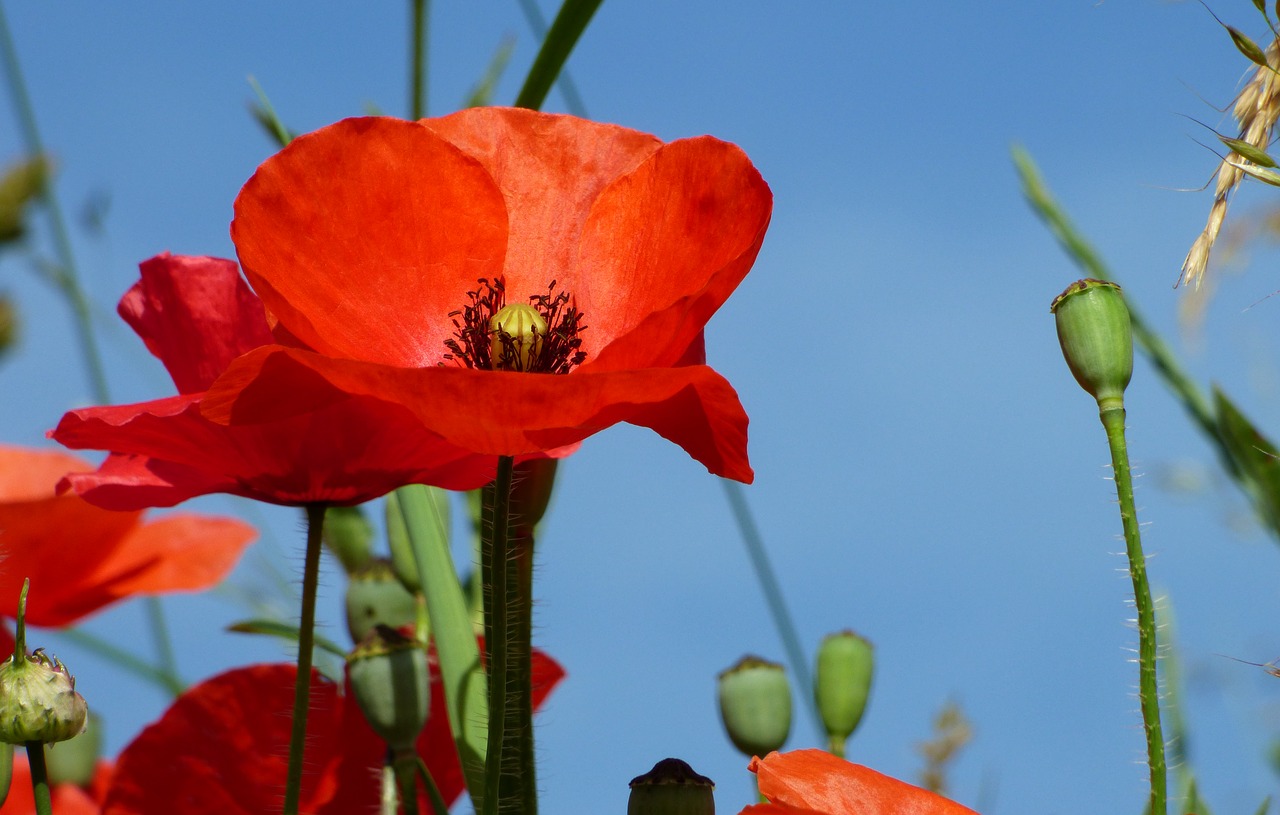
(540, 337)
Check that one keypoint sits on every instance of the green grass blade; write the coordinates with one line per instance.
(561, 38)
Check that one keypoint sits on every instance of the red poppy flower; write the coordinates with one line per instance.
(224, 749)
(81, 558)
(813, 782)
(196, 314)
(372, 240)
(67, 799)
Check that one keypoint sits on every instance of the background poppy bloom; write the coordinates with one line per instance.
(814, 782)
(66, 799)
(224, 746)
(364, 238)
(81, 558)
(196, 315)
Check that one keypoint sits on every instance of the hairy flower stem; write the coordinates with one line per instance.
(39, 778)
(506, 569)
(1113, 420)
(306, 640)
(406, 767)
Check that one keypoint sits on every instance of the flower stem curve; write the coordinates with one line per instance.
(306, 640)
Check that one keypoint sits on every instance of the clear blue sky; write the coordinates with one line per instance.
(927, 471)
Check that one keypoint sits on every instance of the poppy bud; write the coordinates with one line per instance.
(74, 761)
(375, 596)
(38, 700)
(8, 324)
(349, 535)
(671, 788)
(1093, 330)
(516, 333)
(402, 559)
(388, 674)
(531, 489)
(755, 705)
(842, 683)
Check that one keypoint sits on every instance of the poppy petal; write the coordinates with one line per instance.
(195, 314)
(366, 257)
(817, 780)
(66, 799)
(501, 413)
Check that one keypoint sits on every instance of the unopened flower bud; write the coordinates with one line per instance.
(74, 761)
(38, 700)
(516, 333)
(531, 487)
(671, 788)
(349, 536)
(375, 596)
(8, 324)
(842, 683)
(755, 705)
(1094, 332)
(389, 676)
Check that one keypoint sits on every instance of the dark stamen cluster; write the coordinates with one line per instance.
(559, 352)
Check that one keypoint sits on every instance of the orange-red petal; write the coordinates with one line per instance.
(818, 781)
(66, 799)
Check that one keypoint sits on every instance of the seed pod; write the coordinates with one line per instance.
(389, 676)
(842, 683)
(1094, 332)
(38, 700)
(349, 536)
(375, 596)
(671, 788)
(755, 705)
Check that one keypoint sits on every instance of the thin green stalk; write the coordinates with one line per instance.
(122, 657)
(1148, 691)
(306, 635)
(407, 780)
(773, 596)
(572, 99)
(39, 778)
(570, 22)
(438, 806)
(418, 61)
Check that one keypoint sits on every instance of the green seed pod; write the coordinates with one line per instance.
(1093, 330)
(376, 597)
(842, 683)
(515, 337)
(74, 761)
(402, 558)
(388, 674)
(349, 536)
(531, 487)
(38, 700)
(671, 788)
(755, 706)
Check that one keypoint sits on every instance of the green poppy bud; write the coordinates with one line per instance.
(38, 700)
(375, 596)
(515, 337)
(842, 683)
(671, 788)
(402, 559)
(755, 706)
(388, 674)
(8, 324)
(74, 761)
(531, 487)
(1093, 330)
(349, 536)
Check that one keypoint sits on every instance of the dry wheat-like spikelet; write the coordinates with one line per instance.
(1256, 110)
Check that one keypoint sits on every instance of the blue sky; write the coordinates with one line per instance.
(927, 471)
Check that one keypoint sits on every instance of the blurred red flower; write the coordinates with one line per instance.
(196, 314)
(813, 782)
(66, 799)
(223, 747)
(365, 238)
(81, 558)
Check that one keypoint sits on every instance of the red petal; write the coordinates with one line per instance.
(664, 247)
(363, 236)
(550, 169)
(819, 781)
(501, 413)
(195, 314)
(32, 475)
(66, 799)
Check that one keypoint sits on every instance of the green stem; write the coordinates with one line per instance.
(39, 778)
(773, 596)
(835, 746)
(509, 768)
(306, 637)
(168, 682)
(1112, 416)
(418, 67)
(407, 780)
(438, 806)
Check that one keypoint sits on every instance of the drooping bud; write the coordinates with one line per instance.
(375, 596)
(38, 698)
(1094, 332)
(842, 683)
(8, 324)
(74, 761)
(349, 536)
(516, 334)
(671, 788)
(755, 705)
(389, 676)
